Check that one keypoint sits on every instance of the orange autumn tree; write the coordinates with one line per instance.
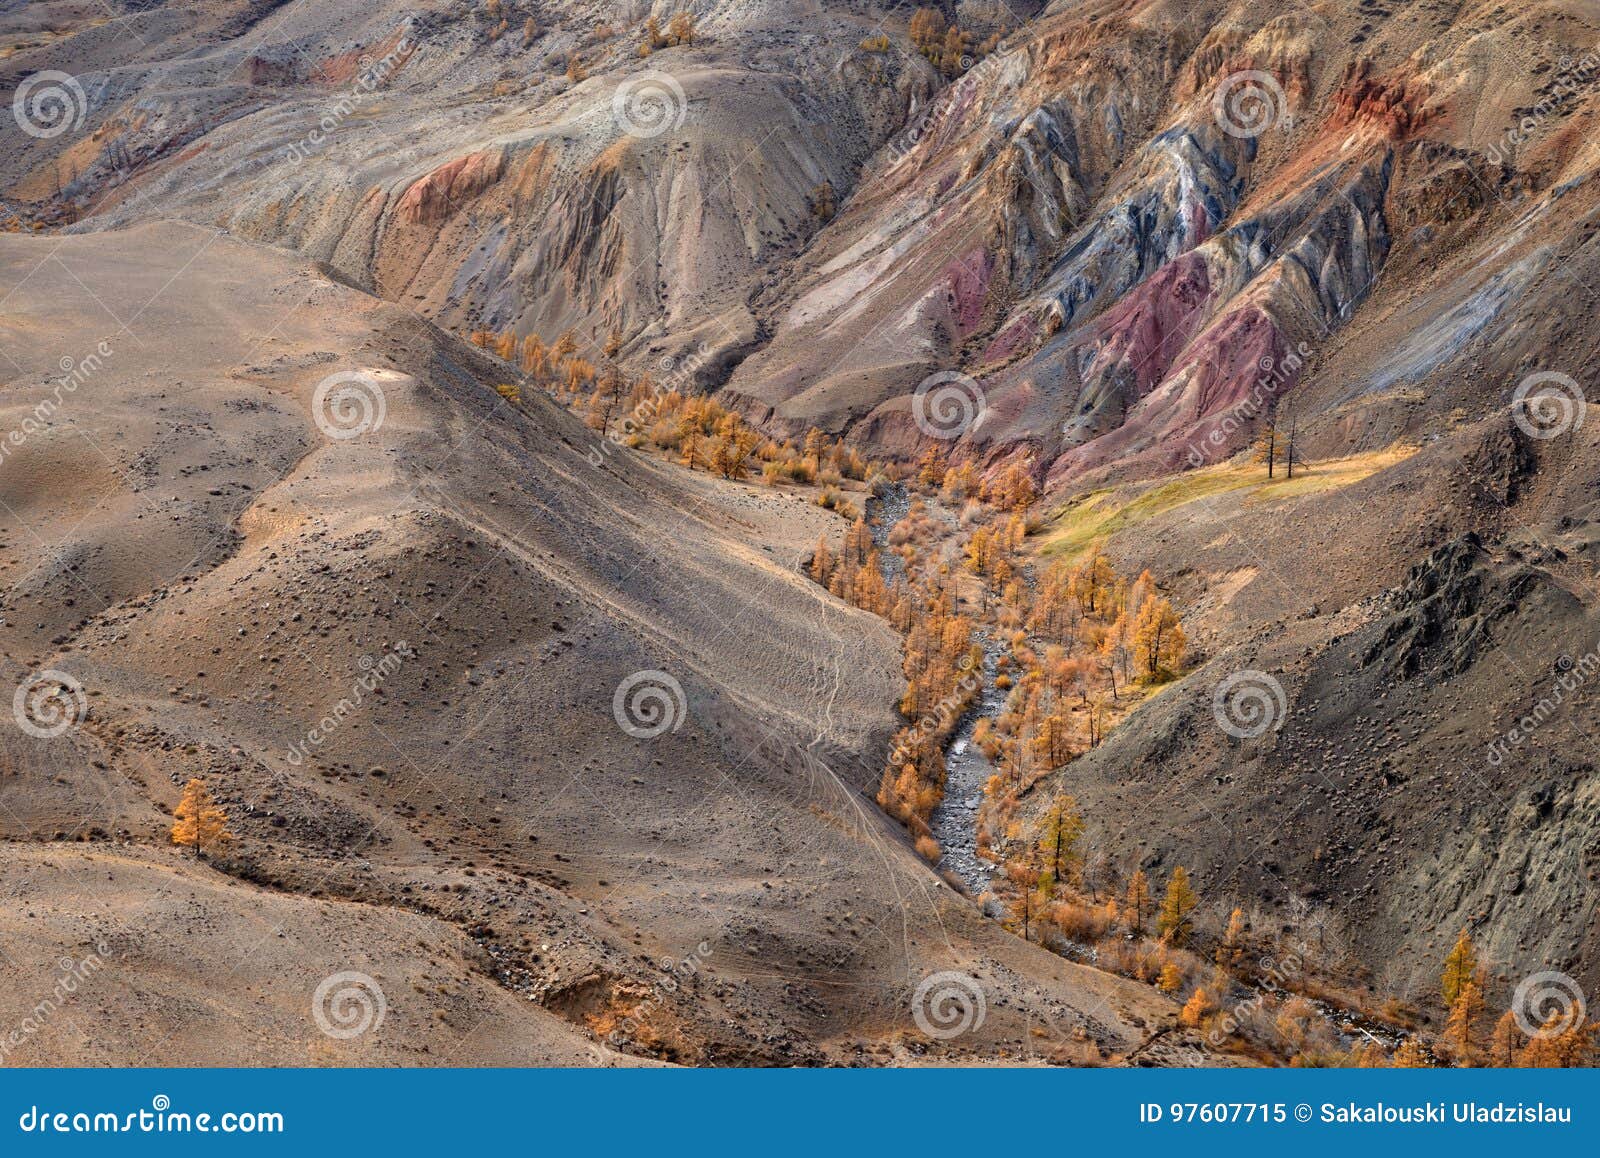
(1059, 838)
(1139, 902)
(1158, 640)
(1174, 922)
(1460, 967)
(1563, 1042)
(1014, 489)
(1463, 1031)
(198, 823)
(942, 666)
(1199, 1007)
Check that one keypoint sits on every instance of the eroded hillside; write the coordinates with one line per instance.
(510, 727)
(1103, 244)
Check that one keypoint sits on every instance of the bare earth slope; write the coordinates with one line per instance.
(475, 828)
(1139, 228)
(1388, 240)
(438, 161)
(1131, 215)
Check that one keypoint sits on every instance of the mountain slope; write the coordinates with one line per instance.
(553, 712)
(438, 159)
(1141, 226)
(1134, 235)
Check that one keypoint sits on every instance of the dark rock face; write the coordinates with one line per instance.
(1443, 612)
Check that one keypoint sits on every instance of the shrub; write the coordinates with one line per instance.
(1079, 922)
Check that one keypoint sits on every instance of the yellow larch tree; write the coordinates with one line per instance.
(1462, 1031)
(1459, 968)
(1138, 902)
(1158, 640)
(1175, 921)
(197, 821)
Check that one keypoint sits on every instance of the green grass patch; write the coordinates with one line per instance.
(1073, 528)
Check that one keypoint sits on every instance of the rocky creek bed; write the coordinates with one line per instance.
(955, 821)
